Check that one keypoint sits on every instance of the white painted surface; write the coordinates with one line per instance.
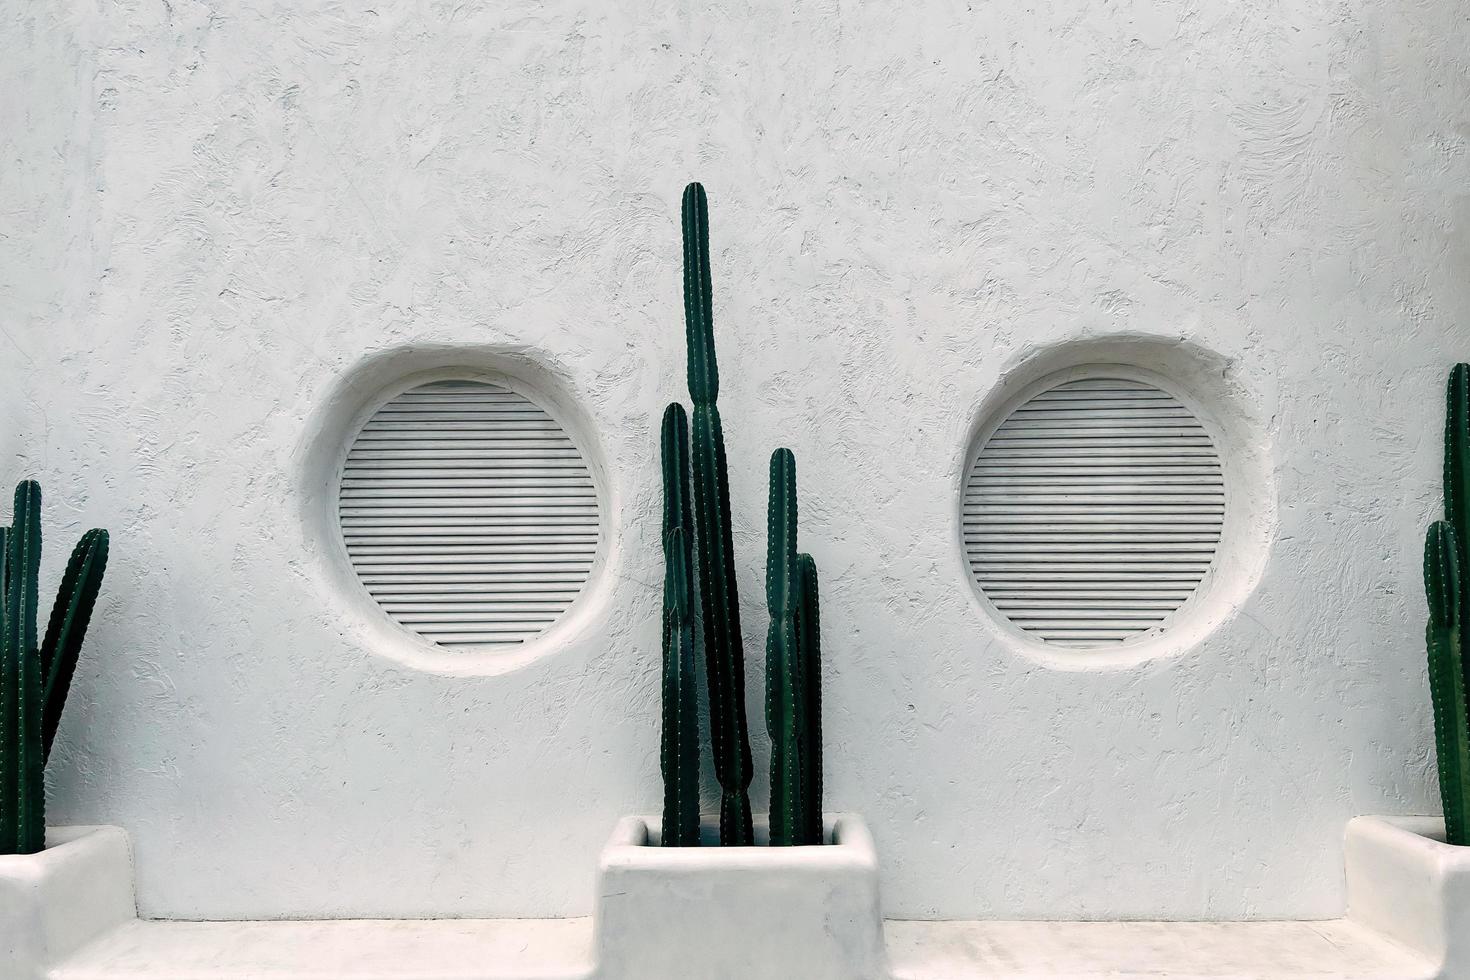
(1405, 882)
(756, 913)
(55, 902)
(559, 949)
(213, 213)
(727, 913)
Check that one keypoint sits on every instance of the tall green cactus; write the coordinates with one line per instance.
(1457, 484)
(793, 669)
(785, 702)
(719, 601)
(1447, 587)
(809, 639)
(35, 678)
(1442, 582)
(793, 646)
(679, 753)
(67, 627)
(23, 791)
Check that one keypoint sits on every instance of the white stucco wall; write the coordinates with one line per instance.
(214, 212)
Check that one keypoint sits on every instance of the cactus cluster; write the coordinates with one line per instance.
(699, 557)
(35, 677)
(719, 600)
(793, 669)
(1447, 587)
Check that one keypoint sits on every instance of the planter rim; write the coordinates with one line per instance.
(61, 843)
(851, 845)
(1419, 824)
(1422, 834)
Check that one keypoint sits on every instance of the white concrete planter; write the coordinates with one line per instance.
(743, 913)
(1407, 884)
(55, 902)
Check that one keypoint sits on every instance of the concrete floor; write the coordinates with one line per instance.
(561, 949)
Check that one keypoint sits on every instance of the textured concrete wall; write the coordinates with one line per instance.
(213, 212)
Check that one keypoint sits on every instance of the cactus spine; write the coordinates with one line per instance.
(35, 678)
(719, 602)
(679, 753)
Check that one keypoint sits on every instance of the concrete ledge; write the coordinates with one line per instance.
(739, 912)
(340, 949)
(55, 902)
(754, 913)
(561, 949)
(1336, 949)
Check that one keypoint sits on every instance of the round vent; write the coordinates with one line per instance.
(468, 513)
(1093, 511)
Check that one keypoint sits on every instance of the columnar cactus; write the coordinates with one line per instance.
(679, 753)
(22, 782)
(34, 679)
(1447, 586)
(793, 669)
(785, 701)
(1457, 484)
(1443, 635)
(793, 647)
(809, 640)
(719, 602)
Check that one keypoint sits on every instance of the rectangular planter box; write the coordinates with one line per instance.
(744, 913)
(55, 902)
(1407, 884)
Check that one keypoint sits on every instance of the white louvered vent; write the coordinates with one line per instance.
(468, 513)
(1093, 512)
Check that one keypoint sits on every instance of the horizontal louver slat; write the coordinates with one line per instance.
(1094, 511)
(469, 514)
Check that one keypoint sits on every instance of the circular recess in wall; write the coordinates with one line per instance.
(1094, 509)
(468, 513)
(459, 516)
